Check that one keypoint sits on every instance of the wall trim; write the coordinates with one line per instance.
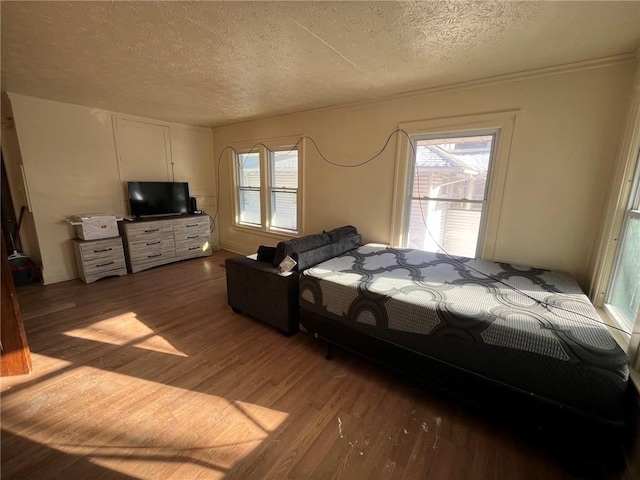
(235, 248)
(60, 273)
(107, 113)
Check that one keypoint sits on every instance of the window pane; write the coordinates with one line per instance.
(284, 169)
(452, 167)
(284, 210)
(249, 201)
(453, 226)
(625, 289)
(249, 169)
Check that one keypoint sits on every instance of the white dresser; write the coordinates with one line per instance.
(98, 259)
(149, 243)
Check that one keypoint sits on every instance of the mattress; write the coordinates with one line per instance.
(529, 328)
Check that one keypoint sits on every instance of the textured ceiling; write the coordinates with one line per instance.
(213, 63)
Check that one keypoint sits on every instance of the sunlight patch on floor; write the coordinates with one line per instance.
(125, 329)
(43, 366)
(141, 428)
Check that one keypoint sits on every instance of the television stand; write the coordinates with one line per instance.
(152, 242)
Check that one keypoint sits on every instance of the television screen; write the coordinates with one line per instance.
(149, 199)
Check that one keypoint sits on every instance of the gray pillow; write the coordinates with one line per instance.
(298, 245)
(341, 232)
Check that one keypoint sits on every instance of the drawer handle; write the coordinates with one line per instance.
(194, 248)
(193, 225)
(104, 264)
(103, 250)
(152, 230)
(194, 236)
(153, 256)
(153, 243)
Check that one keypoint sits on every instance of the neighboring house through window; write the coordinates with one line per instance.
(449, 184)
(448, 193)
(267, 184)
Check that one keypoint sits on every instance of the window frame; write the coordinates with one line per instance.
(632, 210)
(240, 188)
(502, 124)
(282, 144)
(272, 188)
(628, 163)
(484, 202)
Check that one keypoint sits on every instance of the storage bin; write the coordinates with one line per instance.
(23, 270)
(94, 227)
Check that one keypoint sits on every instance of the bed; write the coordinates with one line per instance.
(520, 338)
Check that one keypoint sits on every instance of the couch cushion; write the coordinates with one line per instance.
(298, 245)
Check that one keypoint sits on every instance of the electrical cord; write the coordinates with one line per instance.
(400, 131)
(295, 147)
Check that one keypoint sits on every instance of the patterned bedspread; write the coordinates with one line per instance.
(530, 328)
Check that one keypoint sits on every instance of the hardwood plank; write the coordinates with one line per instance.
(152, 376)
(15, 356)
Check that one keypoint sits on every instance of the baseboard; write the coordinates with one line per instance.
(236, 248)
(61, 273)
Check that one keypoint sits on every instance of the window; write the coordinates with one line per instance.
(284, 190)
(450, 177)
(623, 296)
(249, 188)
(267, 188)
(448, 194)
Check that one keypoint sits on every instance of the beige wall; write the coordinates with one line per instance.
(562, 155)
(71, 167)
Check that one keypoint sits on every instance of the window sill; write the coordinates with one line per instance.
(635, 379)
(623, 341)
(621, 338)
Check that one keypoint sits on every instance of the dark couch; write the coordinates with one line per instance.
(256, 286)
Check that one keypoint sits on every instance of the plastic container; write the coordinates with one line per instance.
(95, 226)
(22, 269)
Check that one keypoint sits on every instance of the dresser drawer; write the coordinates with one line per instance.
(187, 233)
(152, 260)
(103, 265)
(110, 247)
(153, 229)
(193, 247)
(96, 259)
(151, 249)
(191, 226)
(192, 237)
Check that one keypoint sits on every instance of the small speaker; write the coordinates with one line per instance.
(194, 204)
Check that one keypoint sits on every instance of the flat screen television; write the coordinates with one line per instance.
(154, 199)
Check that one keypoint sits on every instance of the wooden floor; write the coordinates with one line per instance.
(152, 376)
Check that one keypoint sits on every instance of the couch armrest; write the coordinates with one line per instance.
(259, 290)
